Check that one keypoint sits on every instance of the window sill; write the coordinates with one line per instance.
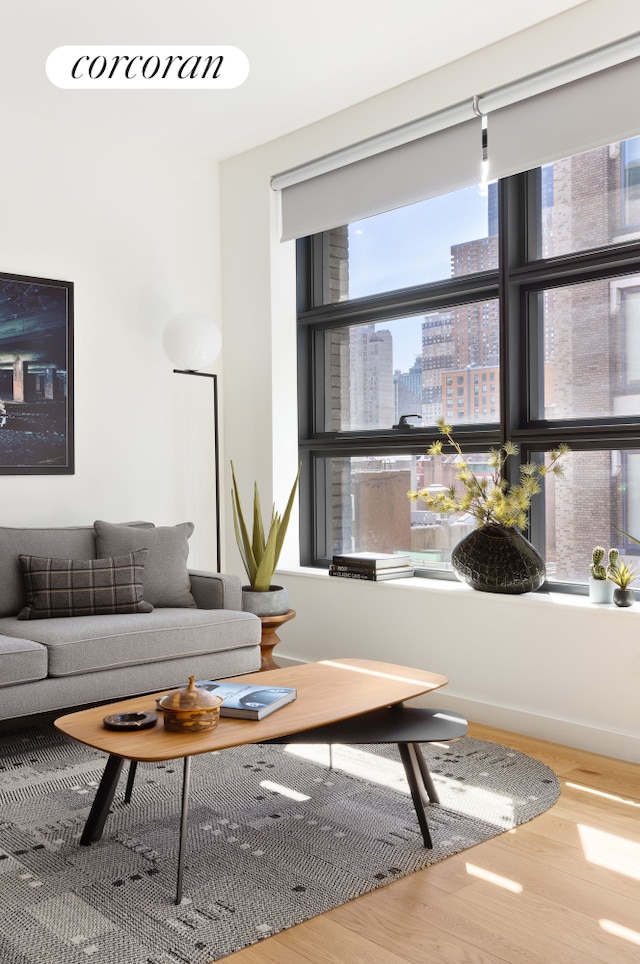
(566, 600)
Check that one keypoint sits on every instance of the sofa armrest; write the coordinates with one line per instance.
(216, 590)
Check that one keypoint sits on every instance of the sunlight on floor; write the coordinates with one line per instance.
(619, 931)
(283, 791)
(601, 793)
(610, 851)
(496, 879)
(465, 799)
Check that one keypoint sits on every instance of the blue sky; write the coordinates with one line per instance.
(411, 246)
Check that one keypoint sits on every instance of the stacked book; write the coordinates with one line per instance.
(374, 566)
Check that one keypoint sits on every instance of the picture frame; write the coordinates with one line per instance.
(36, 376)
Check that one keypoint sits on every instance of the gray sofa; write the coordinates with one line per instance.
(181, 622)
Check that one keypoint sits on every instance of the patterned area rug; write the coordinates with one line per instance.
(275, 837)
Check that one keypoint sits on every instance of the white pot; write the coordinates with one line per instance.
(600, 590)
(275, 602)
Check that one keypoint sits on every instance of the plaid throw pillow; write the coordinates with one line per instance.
(83, 587)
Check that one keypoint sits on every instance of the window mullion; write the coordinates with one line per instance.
(513, 371)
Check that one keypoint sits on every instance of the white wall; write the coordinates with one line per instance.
(555, 668)
(138, 236)
(550, 665)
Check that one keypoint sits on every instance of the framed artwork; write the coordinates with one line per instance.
(36, 376)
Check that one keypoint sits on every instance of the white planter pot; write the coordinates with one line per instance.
(275, 602)
(601, 590)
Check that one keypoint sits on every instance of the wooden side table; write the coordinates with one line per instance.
(270, 637)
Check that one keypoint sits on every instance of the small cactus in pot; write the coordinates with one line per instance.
(600, 587)
(597, 569)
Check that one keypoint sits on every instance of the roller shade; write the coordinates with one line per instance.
(575, 117)
(437, 163)
(574, 106)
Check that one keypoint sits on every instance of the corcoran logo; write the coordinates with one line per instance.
(147, 68)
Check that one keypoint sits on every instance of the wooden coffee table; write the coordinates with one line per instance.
(328, 692)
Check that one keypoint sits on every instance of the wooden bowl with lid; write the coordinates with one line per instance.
(190, 710)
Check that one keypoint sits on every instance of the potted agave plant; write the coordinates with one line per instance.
(260, 551)
(495, 556)
(622, 574)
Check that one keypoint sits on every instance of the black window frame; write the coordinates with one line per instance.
(516, 282)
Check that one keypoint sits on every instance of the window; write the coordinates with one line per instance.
(552, 335)
(590, 199)
(591, 366)
(630, 182)
(421, 255)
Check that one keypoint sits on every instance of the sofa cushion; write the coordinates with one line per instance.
(87, 644)
(73, 542)
(83, 587)
(166, 577)
(67, 543)
(21, 661)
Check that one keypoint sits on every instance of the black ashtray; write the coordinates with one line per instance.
(130, 721)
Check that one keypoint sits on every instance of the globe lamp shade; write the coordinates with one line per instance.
(192, 340)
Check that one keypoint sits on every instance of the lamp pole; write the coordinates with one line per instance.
(190, 371)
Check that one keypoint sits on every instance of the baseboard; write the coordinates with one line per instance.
(288, 660)
(620, 746)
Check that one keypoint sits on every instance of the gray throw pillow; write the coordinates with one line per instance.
(166, 577)
(83, 587)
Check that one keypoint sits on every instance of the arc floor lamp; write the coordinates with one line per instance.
(192, 340)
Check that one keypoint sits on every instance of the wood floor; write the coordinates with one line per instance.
(561, 889)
